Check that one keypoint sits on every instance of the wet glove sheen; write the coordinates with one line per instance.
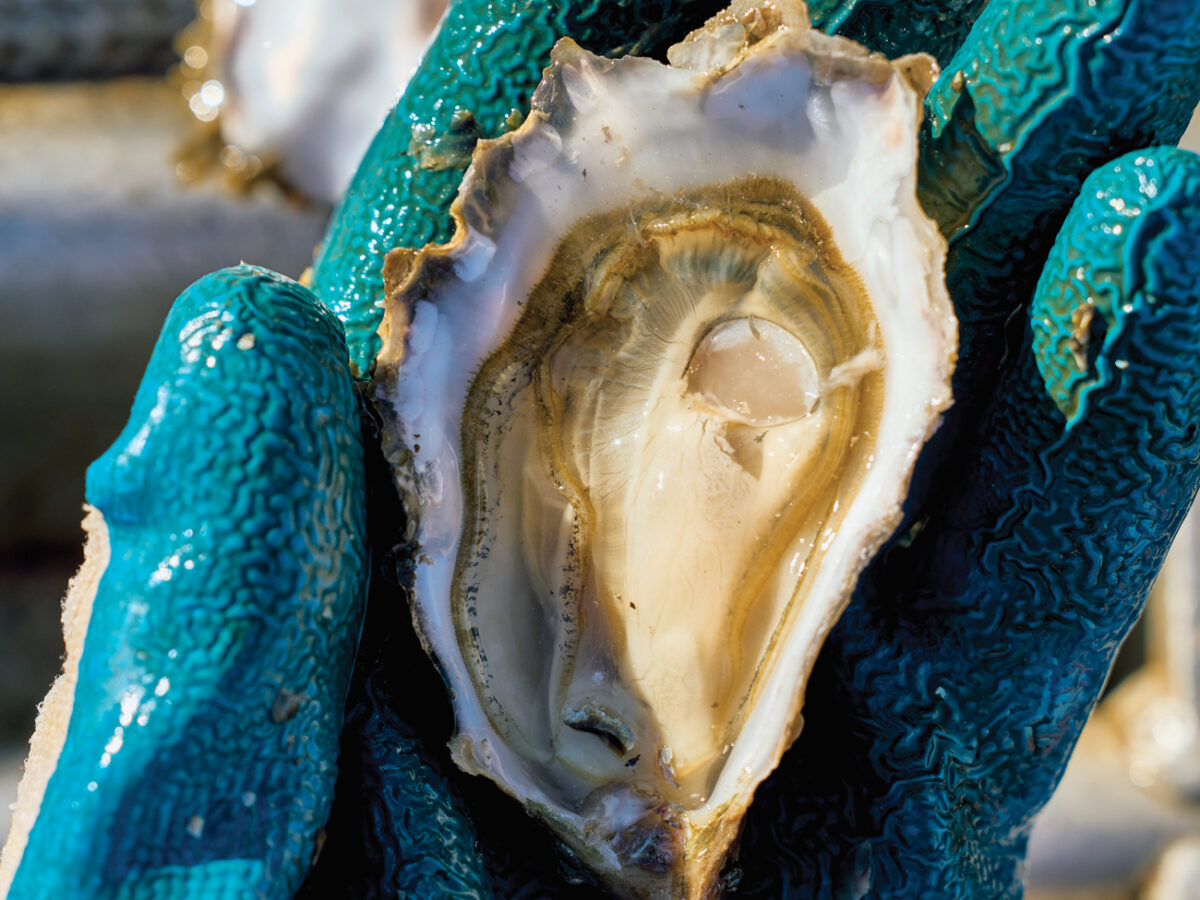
(200, 754)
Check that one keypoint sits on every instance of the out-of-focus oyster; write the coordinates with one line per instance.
(306, 83)
(653, 410)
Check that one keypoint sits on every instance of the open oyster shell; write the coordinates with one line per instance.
(653, 410)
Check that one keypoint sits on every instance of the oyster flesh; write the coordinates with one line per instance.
(653, 410)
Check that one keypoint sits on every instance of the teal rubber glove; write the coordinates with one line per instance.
(189, 750)
(946, 701)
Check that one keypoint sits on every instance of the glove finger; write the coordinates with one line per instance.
(1002, 615)
(475, 81)
(1041, 93)
(189, 748)
(397, 826)
(1090, 454)
(896, 27)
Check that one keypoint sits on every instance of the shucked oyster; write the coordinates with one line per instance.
(653, 409)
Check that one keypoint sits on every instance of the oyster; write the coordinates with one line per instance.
(653, 410)
(307, 82)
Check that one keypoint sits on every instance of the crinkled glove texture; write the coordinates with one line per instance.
(201, 749)
(896, 27)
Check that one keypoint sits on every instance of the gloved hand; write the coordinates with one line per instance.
(212, 661)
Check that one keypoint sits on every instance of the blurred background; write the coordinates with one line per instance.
(144, 143)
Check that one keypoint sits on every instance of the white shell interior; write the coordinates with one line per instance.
(603, 136)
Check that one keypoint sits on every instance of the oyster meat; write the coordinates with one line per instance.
(653, 410)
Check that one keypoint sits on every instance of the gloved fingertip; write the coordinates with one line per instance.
(1120, 282)
(241, 329)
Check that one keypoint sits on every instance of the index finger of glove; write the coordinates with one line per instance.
(189, 748)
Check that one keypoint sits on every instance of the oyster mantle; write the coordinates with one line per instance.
(652, 411)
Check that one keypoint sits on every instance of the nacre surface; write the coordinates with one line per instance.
(652, 410)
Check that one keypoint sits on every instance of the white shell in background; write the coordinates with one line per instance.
(309, 82)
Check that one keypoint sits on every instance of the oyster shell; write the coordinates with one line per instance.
(653, 410)
(306, 83)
